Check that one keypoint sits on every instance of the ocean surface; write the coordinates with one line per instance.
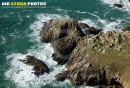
(19, 36)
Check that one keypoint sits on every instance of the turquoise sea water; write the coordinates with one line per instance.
(19, 29)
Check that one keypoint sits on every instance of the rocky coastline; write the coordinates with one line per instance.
(92, 58)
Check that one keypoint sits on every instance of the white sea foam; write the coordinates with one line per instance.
(113, 25)
(125, 3)
(21, 74)
(62, 10)
(3, 39)
(80, 12)
(107, 25)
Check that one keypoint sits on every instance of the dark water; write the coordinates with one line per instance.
(18, 37)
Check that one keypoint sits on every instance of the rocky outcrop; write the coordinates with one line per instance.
(92, 59)
(57, 29)
(38, 66)
(101, 60)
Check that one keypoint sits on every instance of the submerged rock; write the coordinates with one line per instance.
(38, 66)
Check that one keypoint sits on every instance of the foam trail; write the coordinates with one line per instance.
(80, 12)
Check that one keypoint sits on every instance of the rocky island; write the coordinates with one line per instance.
(92, 58)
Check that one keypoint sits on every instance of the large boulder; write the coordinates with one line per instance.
(38, 66)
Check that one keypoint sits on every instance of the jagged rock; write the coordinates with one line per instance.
(65, 45)
(38, 66)
(88, 76)
(60, 77)
(60, 59)
(118, 5)
(93, 30)
(57, 29)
